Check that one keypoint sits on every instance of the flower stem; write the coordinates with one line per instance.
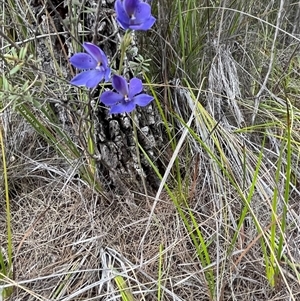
(124, 44)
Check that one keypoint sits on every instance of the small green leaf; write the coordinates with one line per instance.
(122, 286)
(15, 69)
(14, 53)
(23, 52)
(5, 84)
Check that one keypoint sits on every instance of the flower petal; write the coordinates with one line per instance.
(81, 79)
(123, 107)
(83, 61)
(130, 6)
(96, 76)
(110, 98)
(120, 84)
(98, 55)
(107, 74)
(142, 13)
(122, 16)
(142, 99)
(135, 87)
(124, 25)
(144, 26)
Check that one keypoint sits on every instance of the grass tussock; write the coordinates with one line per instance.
(205, 204)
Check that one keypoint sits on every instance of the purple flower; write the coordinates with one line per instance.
(94, 62)
(126, 99)
(134, 14)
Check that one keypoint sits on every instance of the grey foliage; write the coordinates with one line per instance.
(223, 84)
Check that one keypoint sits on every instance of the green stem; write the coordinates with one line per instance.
(6, 271)
(124, 45)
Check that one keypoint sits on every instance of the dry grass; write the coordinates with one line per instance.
(71, 241)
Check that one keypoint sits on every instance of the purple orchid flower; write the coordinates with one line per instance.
(134, 14)
(126, 99)
(94, 62)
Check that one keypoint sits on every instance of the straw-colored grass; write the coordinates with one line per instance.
(210, 209)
